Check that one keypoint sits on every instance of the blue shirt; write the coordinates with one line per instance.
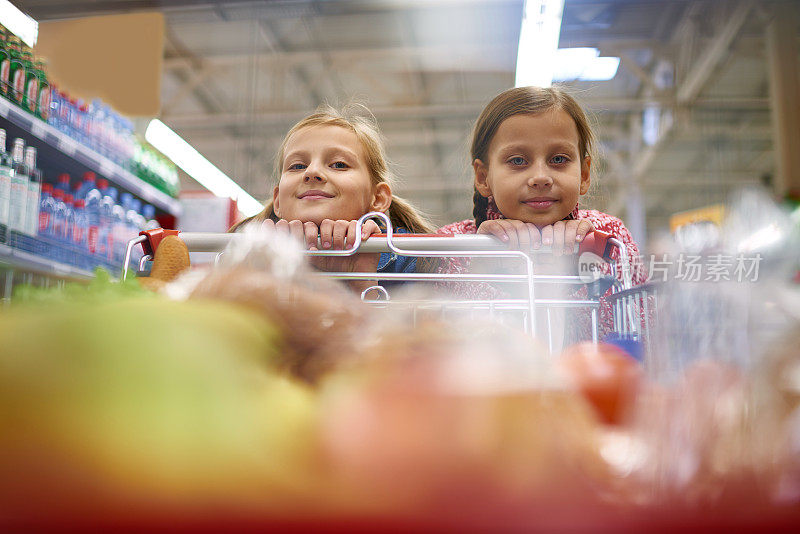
(389, 262)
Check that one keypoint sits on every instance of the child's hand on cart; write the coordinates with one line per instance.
(331, 235)
(562, 236)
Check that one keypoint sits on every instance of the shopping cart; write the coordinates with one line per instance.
(629, 303)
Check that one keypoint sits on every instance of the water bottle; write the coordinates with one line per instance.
(75, 120)
(63, 183)
(55, 107)
(107, 203)
(96, 126)
(119, 231)
(149, 213)
(89, 183)
(19, 189)
(46, 206)
(127, 142)
(58, 219)
(80, 227)
(6, 179)
(34, 192)
(129, 223)
(84, 130)
(65, 239)
(102, 186)
(134, 216)
(69, 220)
(65, 114)
(92, 210)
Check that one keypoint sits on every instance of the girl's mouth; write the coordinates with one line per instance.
(540, 203)
(315, 194)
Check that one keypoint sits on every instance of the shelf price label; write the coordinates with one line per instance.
(37, 129)
(107, 168)
(67, 146)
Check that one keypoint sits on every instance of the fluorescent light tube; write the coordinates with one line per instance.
(18, 23)
(583, 64)
(538, 41)
(195, 165)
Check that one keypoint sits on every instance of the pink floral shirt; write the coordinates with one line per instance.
(600, 221)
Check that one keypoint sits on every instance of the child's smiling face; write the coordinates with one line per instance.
(533, 168)
(324, 175)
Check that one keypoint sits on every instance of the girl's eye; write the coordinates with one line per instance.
(559, 160)
(339, 165)
(517, 160)
(296, 167)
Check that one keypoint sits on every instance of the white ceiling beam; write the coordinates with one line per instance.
(281, 118)
(705, 67)
(467, 54)
(690, 87)
(470, 110)
(195, 78)
(394, 139)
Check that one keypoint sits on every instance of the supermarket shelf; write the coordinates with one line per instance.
(88, 157)
(24, 261)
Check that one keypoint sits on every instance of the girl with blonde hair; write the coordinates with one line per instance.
(331, 169)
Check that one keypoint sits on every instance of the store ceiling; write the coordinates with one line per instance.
(237, 75)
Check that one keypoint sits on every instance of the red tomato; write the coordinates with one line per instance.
(605, 375)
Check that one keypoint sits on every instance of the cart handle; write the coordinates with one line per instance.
(154, 237)
(597, 242)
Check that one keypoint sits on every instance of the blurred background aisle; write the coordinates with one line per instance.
(685, 119)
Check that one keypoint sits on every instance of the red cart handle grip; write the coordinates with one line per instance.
(154, 238)
(597, 243)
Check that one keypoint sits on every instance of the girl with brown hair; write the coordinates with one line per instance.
(531, 155)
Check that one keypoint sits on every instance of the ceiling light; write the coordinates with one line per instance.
(538, 41)
(18, 23)
(583, 64)
(195, 165)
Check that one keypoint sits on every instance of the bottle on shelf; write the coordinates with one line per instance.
(92, 209)
(34, 190)
(30, 97)
(82, 130)
(5, 66)
(19, 189)
(80, 227)
(63, 182)
(58, 220)
(60, 110)
(58, 224)
(89, 182)
(46, 206)
(6, 177)
(128, 224)
(76, 117)
(43, 98)
(16, 73)
(106, 233)
(119, 229)
(69, 220)
(149, 213)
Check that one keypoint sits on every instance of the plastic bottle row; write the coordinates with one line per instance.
(23, 81)
(98, 126)
(95, 125)
(85, 226)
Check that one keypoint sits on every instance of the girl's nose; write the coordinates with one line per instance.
(540, 179)
(313, 174)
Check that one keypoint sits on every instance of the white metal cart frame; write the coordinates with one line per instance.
(461, 246)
